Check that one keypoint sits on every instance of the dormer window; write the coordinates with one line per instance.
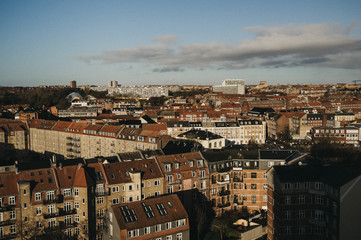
(191, 163)
(199, 163)
(168, 167)
(176, 165)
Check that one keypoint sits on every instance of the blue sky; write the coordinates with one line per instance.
(179, 42)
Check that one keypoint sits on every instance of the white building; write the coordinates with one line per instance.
(231, 86)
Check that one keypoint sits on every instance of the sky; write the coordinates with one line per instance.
(179, 42)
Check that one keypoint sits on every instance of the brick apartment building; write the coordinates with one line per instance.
(160, 218)
(308, 199)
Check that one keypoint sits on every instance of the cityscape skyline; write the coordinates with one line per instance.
(141, 43)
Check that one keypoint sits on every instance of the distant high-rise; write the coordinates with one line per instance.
(73, 84)
(230, 86)
(113, 84)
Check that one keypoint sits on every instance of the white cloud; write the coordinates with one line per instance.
(316, 45)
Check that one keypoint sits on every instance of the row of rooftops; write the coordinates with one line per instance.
(213, 124)
(112, 131)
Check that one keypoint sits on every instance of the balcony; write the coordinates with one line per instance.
(8, 222)
(102, 193)
(52, 201)
(51, 215)
(63, 212)
(222, 205)
(223, 192)
(8, 236)
(7, 208)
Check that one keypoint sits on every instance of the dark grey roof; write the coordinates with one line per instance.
(314, 172)
(199, 134)
(276, 154)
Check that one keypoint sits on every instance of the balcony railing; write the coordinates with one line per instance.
(8, 236)
(7, 222)
(222, 205)
(223, 192)
(63, 212)
(59, 199)
(7, 208)
(223, 181)
(102, 193)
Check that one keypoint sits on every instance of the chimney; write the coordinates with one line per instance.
(53, 162)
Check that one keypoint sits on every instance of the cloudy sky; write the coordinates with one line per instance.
(179, 42)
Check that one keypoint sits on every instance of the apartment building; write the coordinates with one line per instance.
(160, 218)
(123, 182)
(308, 199)
(185, 172)
(240, 132)
(340, 135)
(14, 133)
(82, 140)
(56, 199)
(207, 139)
(241, 184)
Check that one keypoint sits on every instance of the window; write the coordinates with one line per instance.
(253, 175)
(156, 183)
(67, 192)
(76, 192)
(146, 230)
(158, 228)
(254, 199)
(253, 186)
(301, 199)
(168, 167)
(115, 189)
(76, 205)
(100, 200)
(77, 218)
(24, 191)
(265, 186)
(100, 213)
(51, 209)
(319, 215)
(84, 214)
(319, 200)
(39, 224)
(130, 187)
(13, 229)
(169, 237)
(83, 201)
(179, 236)
(301, 214)
(37, 197)
(38, 210)
(288, 215)
(115, 201)
(288, 200)
(12, 200)
(67, 206)
(264, 198)
(12, 215)
(25, 205)
(168, 225)
(287, 186)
